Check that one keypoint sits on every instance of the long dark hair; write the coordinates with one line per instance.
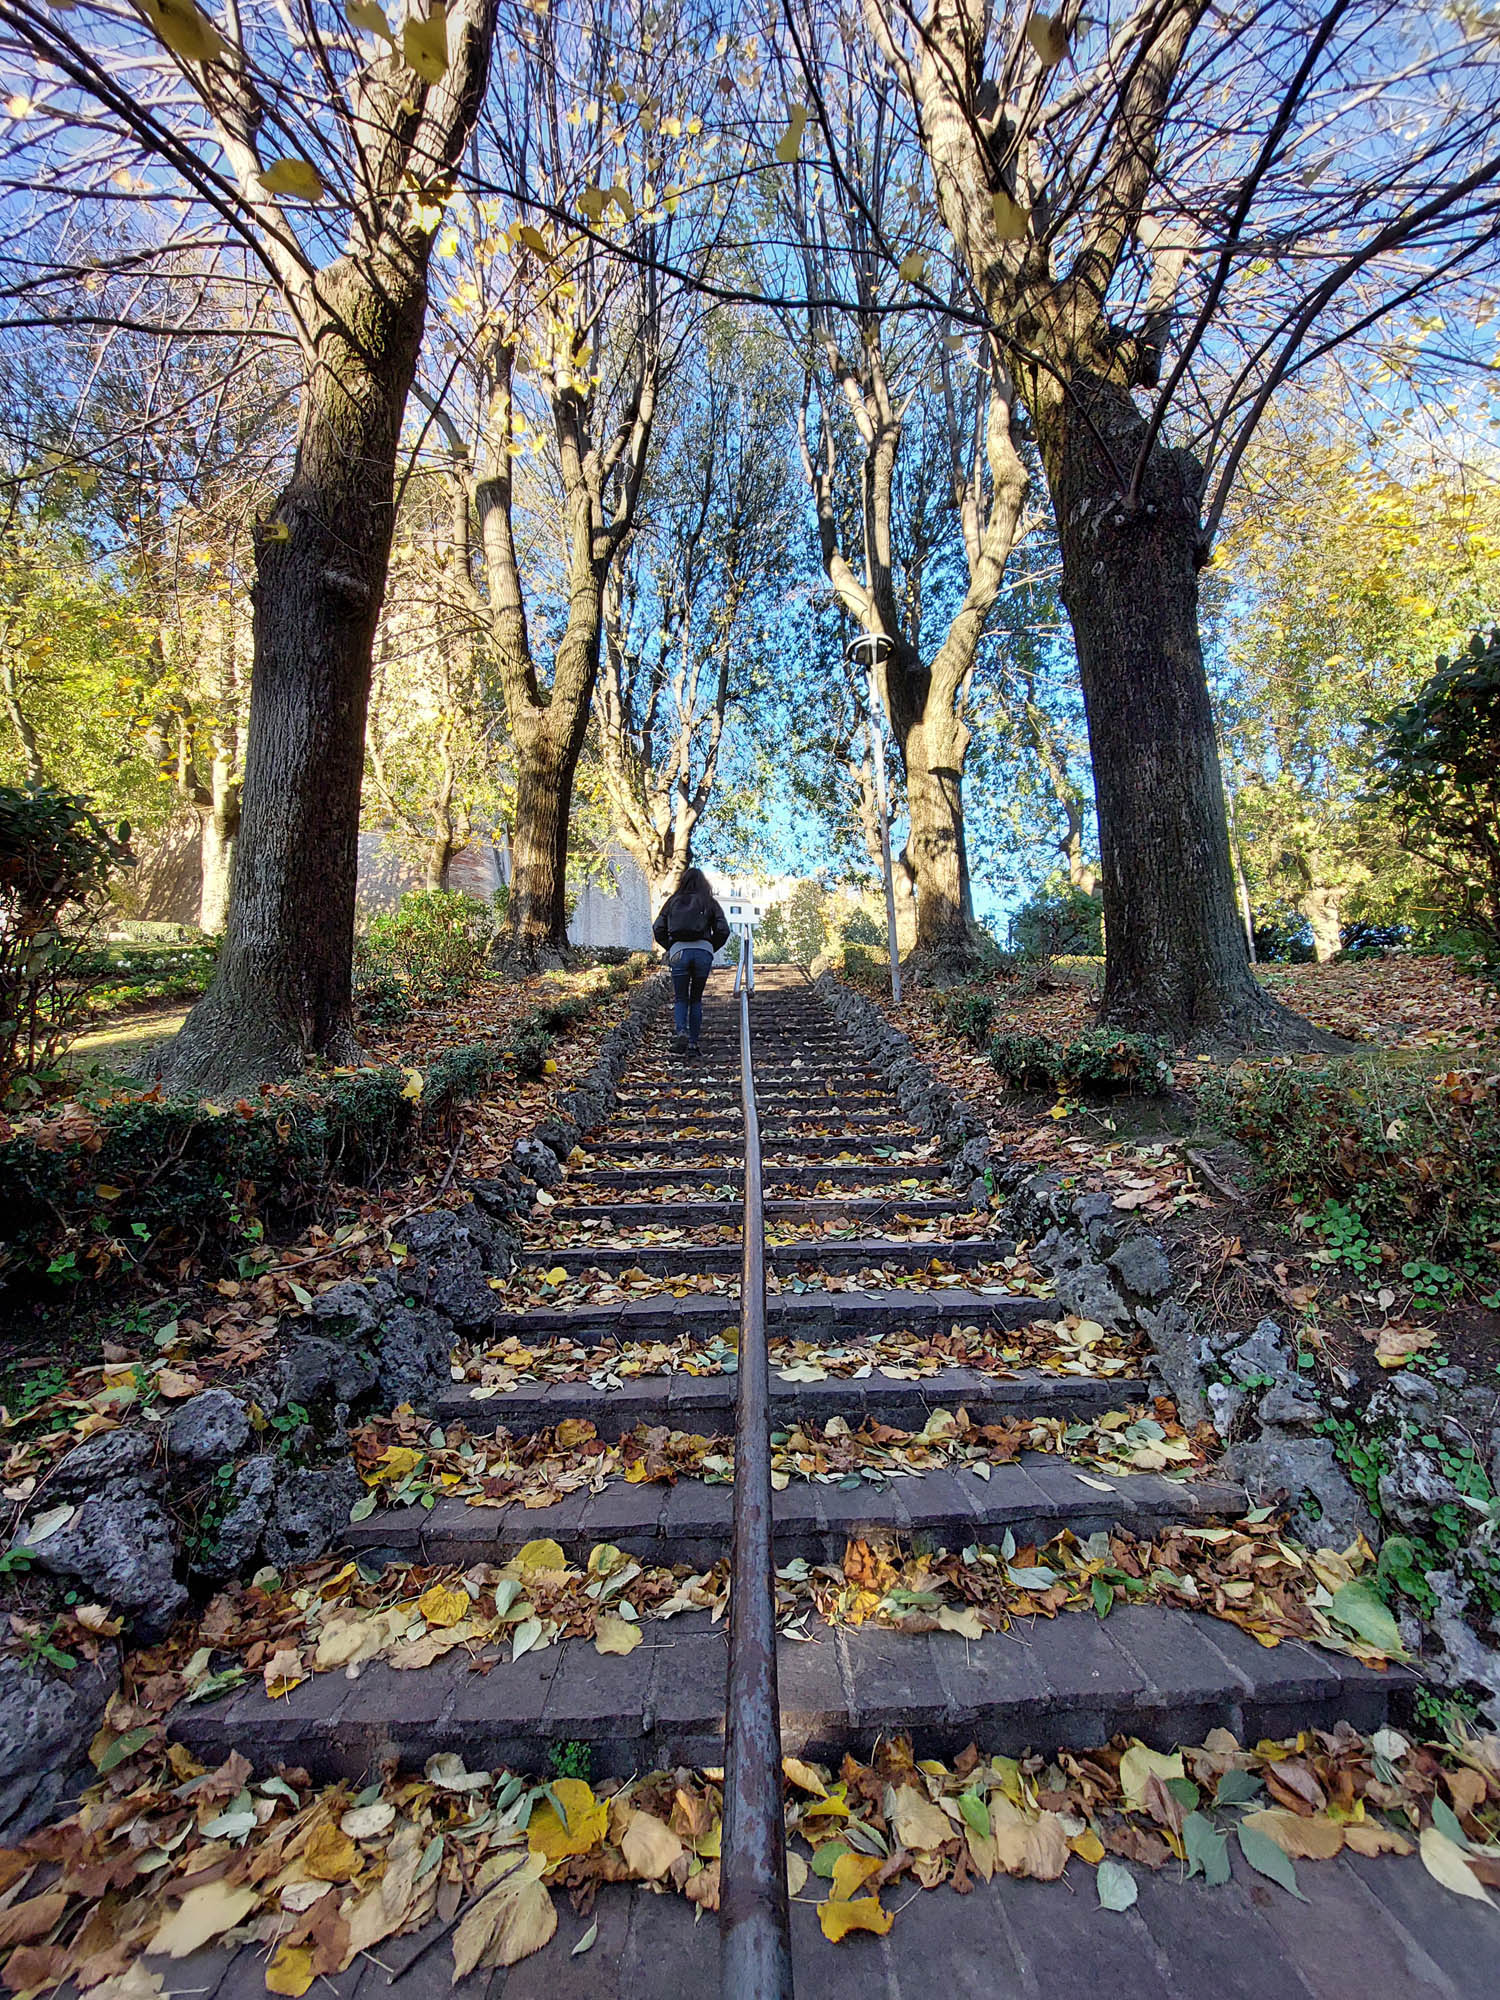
(692, 899)
(696, 884)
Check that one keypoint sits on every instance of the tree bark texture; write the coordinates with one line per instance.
(282, 992)
(1176, 958)
(283, 989)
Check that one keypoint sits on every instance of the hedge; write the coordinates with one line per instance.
(140, 1179)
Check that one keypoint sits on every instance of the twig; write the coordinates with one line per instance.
(318, 1256)
(1216, 1181)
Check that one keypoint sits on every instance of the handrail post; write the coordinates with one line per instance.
(753, 1916)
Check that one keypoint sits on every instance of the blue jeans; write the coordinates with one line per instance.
(691, 965)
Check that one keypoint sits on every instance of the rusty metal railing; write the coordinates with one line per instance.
(757, 1955)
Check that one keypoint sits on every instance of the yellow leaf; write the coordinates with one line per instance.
(290, 1971)
(394, 1464)
(650, 1846)
(424, 44)
(282, 1672)
(330, 1856)
(1367, 1837)
(106, 1193)
(1049, 38)
(202, 1915)
(1088, 1846)
(803, 1775)
(912, 267)
(298, 178)
(965, 1621)
(540, 1554)
(851, 1872)
(796, 1874)
(916, 1822)
(515, 1919)
(184, 28)
(412, 1088)
(789, 145)
(1306, 1837)
(556, 1276)
(533, 238)
(591, 204)
(549, 1067)
(1037, 1847)
(1138, 1764)
(367, 15)
(865, 1914)
(616, 1635)
(442, 1605)
(1444, 1861)
(588, 1818)
(1011, 222)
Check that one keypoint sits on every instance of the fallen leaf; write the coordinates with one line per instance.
(616, 1635)
(514, 1920)
(1444, 1861)
(650, 1846)
(443, 1604)
(330, 1856)
(916, 1822)
(864, 1914)
(1116, 1885)
(1305, 1838)
(588, 1819)
(201, 1916)
(290, 1971)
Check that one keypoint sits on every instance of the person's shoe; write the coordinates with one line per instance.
(694, 1050)
(680, 1045)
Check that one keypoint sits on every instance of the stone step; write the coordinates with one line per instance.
(844, 1173)
(880, 1101)
(1164, 1675)
(682, 1122)
(812, 1315)
(809, 1208)
(705, 1403)
(856, 1254)
(691, 1521)
(808, 1146)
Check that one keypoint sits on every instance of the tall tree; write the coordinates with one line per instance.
(937, 472)
(1164, 212)
(690, 610)
(236, 132)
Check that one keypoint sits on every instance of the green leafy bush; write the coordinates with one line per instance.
(131, 975)
(860, 967)
(968, 1013)
(1380, 1155)
(435, 942)
(144, 1180)
(1438, 769)
(56, 858)
(383, 1003)
(1056, 921)
(1099, 1059)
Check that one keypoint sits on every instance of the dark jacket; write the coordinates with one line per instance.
(689, 919)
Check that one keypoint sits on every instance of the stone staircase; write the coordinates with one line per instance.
(837, 1153)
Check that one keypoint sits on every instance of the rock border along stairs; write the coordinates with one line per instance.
(1165, 1675)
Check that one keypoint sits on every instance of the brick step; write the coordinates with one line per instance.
(817, 1316)
(809, 1208)
(705, 1403)
(843, 1173)
(683, 1119)
(813, 1145)
(857, 1254)
(691, 1522)
(1166, 1676)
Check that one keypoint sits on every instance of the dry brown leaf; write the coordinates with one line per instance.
(1305, 1838)
(650, 1846)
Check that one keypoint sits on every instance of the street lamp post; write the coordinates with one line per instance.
(866, 647)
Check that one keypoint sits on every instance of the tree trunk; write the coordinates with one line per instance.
(935, 860)
(26, 742)
(1321, 906)
(282, 991)
(537, 919)
(1176, 962)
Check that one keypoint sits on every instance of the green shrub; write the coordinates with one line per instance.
(1100, 1059)
(142, 1180)
(861, 968)
(435, 942)
(1406, 1160)
(56, 858)
(969, 1014)
(861, 928)
(383, 1003)
(1058, 920)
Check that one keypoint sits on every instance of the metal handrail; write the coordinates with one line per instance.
(757, 1953)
